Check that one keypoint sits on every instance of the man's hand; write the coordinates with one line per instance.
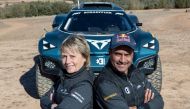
(148, 95)
(134, 107)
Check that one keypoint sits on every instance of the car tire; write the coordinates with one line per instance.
(43, 84)
(156, 77)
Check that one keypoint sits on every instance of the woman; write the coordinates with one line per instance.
(74, 90)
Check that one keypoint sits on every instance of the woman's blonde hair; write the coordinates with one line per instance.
(78, 42)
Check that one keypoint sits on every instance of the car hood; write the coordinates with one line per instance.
(99, 44)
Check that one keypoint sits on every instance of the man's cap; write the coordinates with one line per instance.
(122, 39)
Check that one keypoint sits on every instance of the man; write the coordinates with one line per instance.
(122, 86)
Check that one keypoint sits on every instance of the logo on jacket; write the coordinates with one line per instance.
(99, 44)
(139, 86)
(78, 96)
(127, 90)
(64, 91)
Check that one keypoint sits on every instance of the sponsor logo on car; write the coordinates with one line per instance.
(99, 44)
(100, 61)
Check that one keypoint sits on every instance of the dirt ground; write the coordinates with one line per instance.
(18, 45)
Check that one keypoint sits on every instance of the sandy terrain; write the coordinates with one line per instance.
(18, 46)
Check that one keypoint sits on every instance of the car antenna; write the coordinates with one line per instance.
(78, 3)
(43, 33)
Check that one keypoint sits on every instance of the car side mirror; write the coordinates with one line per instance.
(139, 24)
(55, 25)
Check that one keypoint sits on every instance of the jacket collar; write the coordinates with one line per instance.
(121, 74)
(75, 74)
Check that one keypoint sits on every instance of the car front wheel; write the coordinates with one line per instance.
(156, 77)
(43, 84)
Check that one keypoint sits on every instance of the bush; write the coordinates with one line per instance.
(49, 8)
(148, 4)
(60, 7)
(2, 15)
(44, 8)
(31, 10)
(17, 10)
(181, 3)
(168, 3)
(34, 9)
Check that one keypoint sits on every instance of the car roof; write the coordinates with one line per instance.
(97, 6)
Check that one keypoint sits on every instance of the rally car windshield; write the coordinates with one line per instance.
(97, 22)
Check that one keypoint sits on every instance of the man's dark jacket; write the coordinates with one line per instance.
(115, 90)
(73, 91)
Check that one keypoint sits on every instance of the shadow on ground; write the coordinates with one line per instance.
(28, 81)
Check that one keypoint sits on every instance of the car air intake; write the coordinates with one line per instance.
(105, 6)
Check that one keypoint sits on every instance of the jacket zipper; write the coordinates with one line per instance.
(134, 91)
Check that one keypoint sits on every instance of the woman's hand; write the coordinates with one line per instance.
(51, 96)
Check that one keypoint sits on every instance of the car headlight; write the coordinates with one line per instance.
(148, 63)
(50, 66)
(47, 45)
